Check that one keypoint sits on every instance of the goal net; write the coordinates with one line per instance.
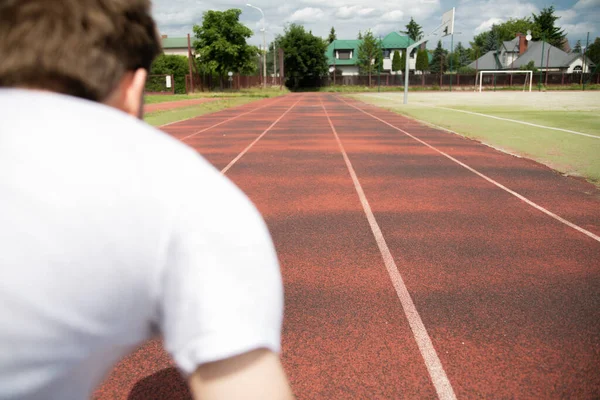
(483, 75)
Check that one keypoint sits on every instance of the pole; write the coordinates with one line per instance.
(264, 55)
(334, 67)
(547, 66)
(587, 43)
(451, 58)
(264, 44)
(274, 80)
(541, 64)
(190, 64)
(379, 66)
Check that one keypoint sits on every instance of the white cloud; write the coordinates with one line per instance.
(346, 12)
(486, 25)
(393, 16)
(584, 4)
(308, 14)
(566, 16)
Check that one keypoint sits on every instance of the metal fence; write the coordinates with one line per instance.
(465, 80)
(427, 80)
(211, 82)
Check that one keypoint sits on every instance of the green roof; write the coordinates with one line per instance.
(175, 42)
(396, 41)
(343, 45)
(391, 41)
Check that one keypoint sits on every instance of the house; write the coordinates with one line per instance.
(343, 54)
(175, 45)
(519, 52)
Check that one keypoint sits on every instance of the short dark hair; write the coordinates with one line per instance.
(77, 47)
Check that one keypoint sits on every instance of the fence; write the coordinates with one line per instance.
(464, 80)
(211, 82)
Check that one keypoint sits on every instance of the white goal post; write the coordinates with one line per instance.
(518, 71)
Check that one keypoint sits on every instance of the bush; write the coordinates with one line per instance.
(466, 71)
(171, 65)
(529, 67)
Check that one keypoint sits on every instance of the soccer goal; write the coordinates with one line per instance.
(528, 77)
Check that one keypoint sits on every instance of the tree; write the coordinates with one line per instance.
(492, 41)
(221, 43)
(369, 55)
(422, 63)
(462, 58)
(593, 51)
(439, 62)
(413, 30)
(529, 67)
(304, 57)
(545, 29)
(177, 66)
(360, 36)
(396, 62)
(504, 31)
(332, 36)
(577, 48)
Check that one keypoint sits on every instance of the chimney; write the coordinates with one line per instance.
(165, 36)
(522, 43)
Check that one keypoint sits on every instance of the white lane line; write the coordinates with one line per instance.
(225, 121)
(434, 366)
(224, 170)
(494, 117)
(517, 195)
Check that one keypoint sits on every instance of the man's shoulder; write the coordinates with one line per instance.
(69, 125)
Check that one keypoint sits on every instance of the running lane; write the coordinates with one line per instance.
(345, 335)
(510, 296)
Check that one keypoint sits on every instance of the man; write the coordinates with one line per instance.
(111, 231)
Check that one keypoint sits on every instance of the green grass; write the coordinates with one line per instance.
(256, 93)
(565, 152)
(159, 118)
(579, 121)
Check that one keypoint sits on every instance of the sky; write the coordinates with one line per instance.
(348, 17)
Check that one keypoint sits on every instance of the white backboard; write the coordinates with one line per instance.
(447, 27)
(168, 82)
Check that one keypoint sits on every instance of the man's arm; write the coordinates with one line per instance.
(257, 375)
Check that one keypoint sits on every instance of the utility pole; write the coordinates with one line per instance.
(542, 63)
(451, 58)
(587, 43)
(264, 44)
(379, 66)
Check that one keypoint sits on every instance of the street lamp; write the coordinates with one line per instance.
(264, 44)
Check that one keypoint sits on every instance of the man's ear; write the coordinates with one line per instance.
(134, 93)
(129, 95)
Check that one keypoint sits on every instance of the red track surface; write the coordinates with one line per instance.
(169, 105)
(510, 297)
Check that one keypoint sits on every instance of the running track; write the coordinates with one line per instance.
(411, 276)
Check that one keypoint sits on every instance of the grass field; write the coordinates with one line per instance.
(574, 153)
(163, 117)
(224, 100)
(256, 93)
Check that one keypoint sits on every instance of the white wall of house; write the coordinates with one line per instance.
(387, 62)
(508, 58)
(348, 69)
(176, 52)
(578, 63)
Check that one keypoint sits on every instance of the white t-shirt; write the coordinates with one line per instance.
(111, 231)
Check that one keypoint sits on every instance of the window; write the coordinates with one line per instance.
(386, 53)
(344, 54)
(578, 69)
